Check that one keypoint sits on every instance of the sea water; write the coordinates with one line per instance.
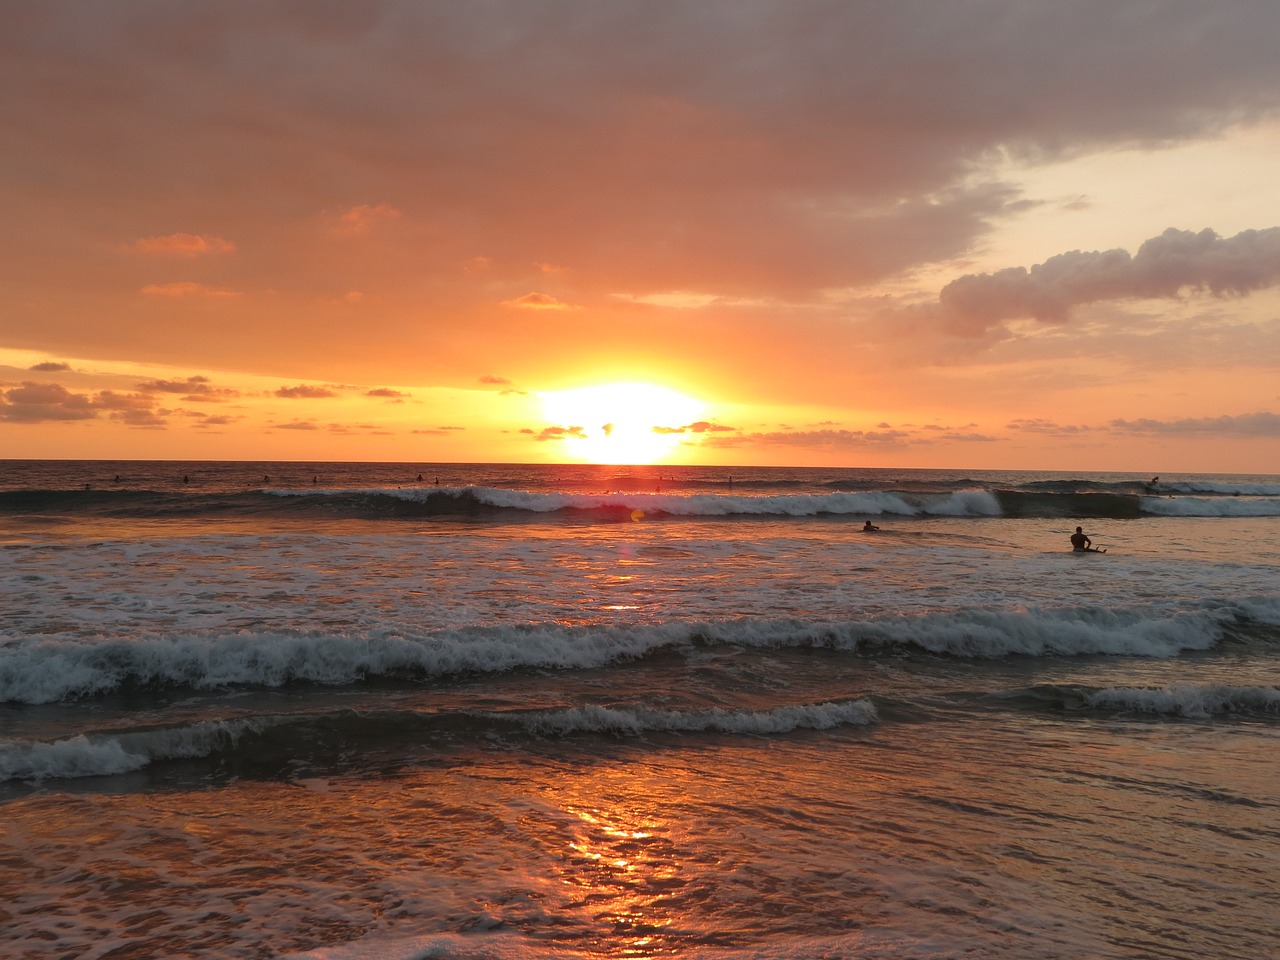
(440, 710)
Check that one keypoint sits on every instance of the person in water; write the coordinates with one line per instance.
(868, 527)
(1080, 542)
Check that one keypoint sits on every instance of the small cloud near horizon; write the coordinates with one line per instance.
(185, 245)
(305, 392)
(186, 288)
(538, 301)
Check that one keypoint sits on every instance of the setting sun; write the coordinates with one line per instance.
(620, 422)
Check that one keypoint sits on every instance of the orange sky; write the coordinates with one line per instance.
(980, 233)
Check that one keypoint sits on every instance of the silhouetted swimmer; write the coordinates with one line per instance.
(868, 527)
(185, 478)
(419, 478)
(1082, 544)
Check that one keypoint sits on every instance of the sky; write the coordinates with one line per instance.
(1001, 234)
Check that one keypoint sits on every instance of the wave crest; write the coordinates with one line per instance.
(1193, 701)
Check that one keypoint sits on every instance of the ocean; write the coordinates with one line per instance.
(403, 711)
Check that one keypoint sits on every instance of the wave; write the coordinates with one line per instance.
(49, 670)
(1046, 500)
(637, 720)
(89, 755)
(957, 504)
(1192, 701)
(115, 752)
(1218, 488)
(1232, 506)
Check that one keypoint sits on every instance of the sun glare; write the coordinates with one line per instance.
(620, 423)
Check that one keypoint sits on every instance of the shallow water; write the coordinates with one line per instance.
(233, 730)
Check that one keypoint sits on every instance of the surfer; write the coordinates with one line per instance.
(1082, 544)
(868, 527)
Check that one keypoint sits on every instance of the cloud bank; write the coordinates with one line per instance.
(1164, 266)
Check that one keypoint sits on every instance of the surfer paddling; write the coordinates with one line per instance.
(1082, 544)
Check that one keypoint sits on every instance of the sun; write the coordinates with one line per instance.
(631, 423)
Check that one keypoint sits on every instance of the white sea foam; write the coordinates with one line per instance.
(987, 634)
(636, 719)
(1190, 700)
(1222, 488)
(45, 671)
(102, 755)
(1211, 506)
(962, 503)
(49, 670)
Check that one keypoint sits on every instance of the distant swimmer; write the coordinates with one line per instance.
(1082, 544)
(868, 527)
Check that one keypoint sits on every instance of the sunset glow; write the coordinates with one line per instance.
(621, 422)
(209, 257)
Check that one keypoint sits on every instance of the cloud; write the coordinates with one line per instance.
(359, 220)
(196, 389)
(33, 402)
(1164, 266)
(110, 400)
(746, 150)
(185, 245)
(1251, 425)
(305, 392)
(503, 381)
(39, 402)
(388, 393)
(701, 426)
(186, 288)
(814, 439)
(559, 433)
(51, 366)
(538, 301)
(1049, 427)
